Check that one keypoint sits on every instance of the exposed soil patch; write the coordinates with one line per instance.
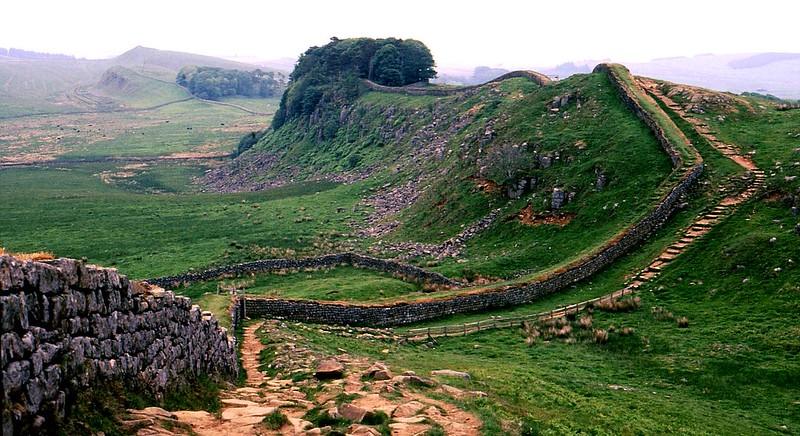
(529, 218)
(486, 185)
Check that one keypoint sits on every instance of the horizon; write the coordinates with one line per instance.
(505, 40)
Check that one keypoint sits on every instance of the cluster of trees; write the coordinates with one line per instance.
(331, 73)
(213, 83)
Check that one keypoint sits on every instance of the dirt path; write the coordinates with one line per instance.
(363, 389)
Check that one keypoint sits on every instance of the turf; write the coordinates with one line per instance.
(73, 213)
(343, 283)
(733, 371)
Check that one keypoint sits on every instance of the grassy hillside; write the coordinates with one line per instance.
(166, 63)
(136, 90)
(438, 145)
(34, 86)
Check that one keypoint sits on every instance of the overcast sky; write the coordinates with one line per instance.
(459, 33)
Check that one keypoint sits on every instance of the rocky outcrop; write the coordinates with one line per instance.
(452, 247)
(67, 326)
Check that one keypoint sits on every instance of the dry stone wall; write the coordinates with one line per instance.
(409, 272)
(67, 326)
(407, 313)
(538, 78)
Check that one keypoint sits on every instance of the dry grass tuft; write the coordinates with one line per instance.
(661, 314)
(33, 257)
(683, 322)
(585, 322)
(618, 305)
(600, 336)
(532, 332)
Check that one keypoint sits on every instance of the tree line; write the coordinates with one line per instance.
(213, 83)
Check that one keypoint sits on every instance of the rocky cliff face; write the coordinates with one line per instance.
(68, 326)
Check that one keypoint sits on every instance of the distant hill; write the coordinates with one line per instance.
(32, 83)
(145, 58)
(133, 89)
(767, 73)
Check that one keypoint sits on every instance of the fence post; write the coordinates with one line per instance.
(465, 329)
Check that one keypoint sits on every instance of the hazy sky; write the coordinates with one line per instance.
(460, 33)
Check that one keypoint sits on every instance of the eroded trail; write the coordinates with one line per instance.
(352, 390)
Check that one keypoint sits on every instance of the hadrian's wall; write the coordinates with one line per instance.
(538, 78)
(411, 312)
(68, 326)
(408, 272)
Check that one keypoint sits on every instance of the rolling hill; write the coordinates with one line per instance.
(41, 86)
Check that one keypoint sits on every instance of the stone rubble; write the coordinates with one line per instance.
(287, 386)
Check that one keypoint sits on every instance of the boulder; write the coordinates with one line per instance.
(362, 430)
(351, 412)
(451, 373)
(558, 199)
(329, 369)
(378, 371)
(414, 380)
(407, 410)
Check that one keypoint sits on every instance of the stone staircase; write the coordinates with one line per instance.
(703, 224)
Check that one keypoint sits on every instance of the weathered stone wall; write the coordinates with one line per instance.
(409, 272)
(407, 313)
(67, 326)
(539, 78)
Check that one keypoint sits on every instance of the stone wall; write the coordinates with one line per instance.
(538, 78)
(67, 326)
(411, 312)
(409, 272)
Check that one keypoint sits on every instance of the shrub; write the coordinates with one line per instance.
(436, 430)
(274, 420)
(377, 417)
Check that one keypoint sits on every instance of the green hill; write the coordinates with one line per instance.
(134, 89)
(165, 64)
(41, 86)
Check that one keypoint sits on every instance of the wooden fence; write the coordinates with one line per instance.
(422, 334)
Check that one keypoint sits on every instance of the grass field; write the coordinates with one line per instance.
(73, 213)
(343, 283)
(734, 370)
(190, 126)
